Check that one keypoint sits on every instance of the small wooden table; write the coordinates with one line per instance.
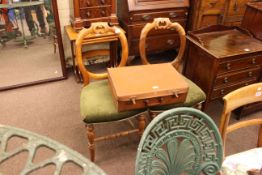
(112, 39)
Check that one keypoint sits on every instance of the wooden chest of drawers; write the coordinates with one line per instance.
(222, 59)
(134, 14)
(252, 20)
(83, 12)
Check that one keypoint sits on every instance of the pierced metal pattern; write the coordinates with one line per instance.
(180, 141)
(62, 154)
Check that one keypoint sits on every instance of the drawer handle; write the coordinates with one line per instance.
(228, 66)
(88, 3)
(170, 42)
(146, 17)
(102, 1)
(172, 14)
(250, 74)
(103, 13)
(246, 84)
(222, 92)
(212, 4)
(88, 14)
(253, 61)
(225, 80)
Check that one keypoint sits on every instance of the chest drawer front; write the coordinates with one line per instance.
(148, 17)
(235, 77)
(220, 92)
(239, 64)
(136, 30)
(95, 12)
(90, 3)
(156, 43)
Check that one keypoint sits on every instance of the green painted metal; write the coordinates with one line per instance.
(180, 141)
(34, 141)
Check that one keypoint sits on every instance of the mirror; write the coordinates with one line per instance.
(31, 50)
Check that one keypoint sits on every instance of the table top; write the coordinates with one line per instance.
(222, 41)
(21, 4)
(72, 35)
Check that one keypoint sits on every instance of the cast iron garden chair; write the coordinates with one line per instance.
(180, 141)
(96, 101)
(195, 96)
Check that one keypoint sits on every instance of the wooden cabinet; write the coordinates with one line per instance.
(252, 20)
(222, 59)
(134, 14)
(83, 12)
(205, 13)
(234, 12)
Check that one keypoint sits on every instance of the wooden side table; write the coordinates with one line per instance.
(112, 39)
(222, 59)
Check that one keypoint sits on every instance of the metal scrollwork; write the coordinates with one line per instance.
(34, 141)
(180, 141)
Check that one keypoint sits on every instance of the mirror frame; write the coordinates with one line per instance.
(61, 54)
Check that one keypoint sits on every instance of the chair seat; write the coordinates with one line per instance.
(97, 104)
(195, 95)
(241, 162)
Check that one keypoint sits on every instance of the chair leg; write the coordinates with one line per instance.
(91, 139)
(141, 124)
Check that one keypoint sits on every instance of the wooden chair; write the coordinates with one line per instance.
(96, 101)
(42, 152)
(240, 97)
(180, 141)
(195, 95)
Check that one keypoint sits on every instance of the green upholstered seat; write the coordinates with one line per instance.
(195, 95)
(97, 104)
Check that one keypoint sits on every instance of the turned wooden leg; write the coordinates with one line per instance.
(259, 141)
(141, 124)
(91, 138)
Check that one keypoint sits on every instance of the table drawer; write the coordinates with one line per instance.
(135, 30)
(156, 43)
(95, 12)
(220, 92)
(235, 77)
(239, 64)
(90, 3)
(148, 17)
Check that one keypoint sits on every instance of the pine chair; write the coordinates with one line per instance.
(195, 96)
(96, 101)
(233, 100)
(180, 141)
(41, 153)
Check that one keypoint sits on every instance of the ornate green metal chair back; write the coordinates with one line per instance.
(62, 154)
(180, 141)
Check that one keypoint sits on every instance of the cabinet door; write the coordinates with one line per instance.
(206, 13)
(234, 12)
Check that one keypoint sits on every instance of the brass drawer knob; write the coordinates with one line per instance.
(225, 80)
(88, 14)
(146, 17)
(250, 74)
(170, 42)
(253, 61)
(222, 92)
(88, 3)
(102, 1)
(172, 14)
(103, 13)
(228, 66)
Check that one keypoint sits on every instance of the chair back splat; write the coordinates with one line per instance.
(180, 141)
